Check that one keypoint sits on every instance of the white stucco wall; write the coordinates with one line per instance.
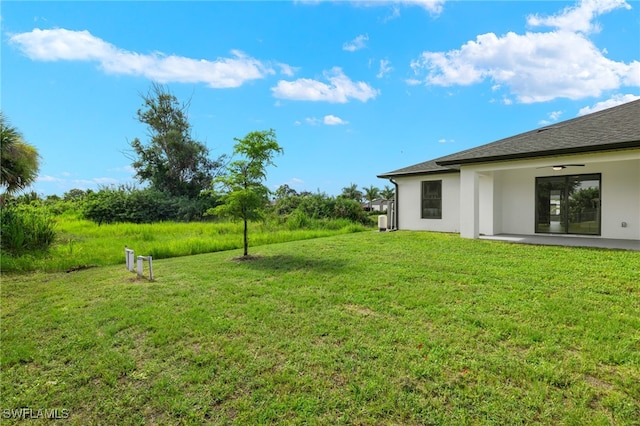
(517, 189)
(621, 200)
(489, 204)
(409, 203)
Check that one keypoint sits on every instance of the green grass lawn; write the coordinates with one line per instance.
(366, 328)
(81, 242)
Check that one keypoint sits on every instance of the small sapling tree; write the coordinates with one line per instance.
(244, 194)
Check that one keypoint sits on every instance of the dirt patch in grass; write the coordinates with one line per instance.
(598, 383)
(246, 258)
(80, 268)
(361, 310)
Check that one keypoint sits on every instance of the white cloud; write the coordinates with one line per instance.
(287, 70)
(434, 7)
(609, 103)
(292, 183)
(578, 18)
(632, 77)
(328, 120)
(295, 182)
(47, 178)
(67, 45)
(384, 68)
(357, 43)
(395, 13)
(555, 115)
(339, 90)
(445, 140)
(332, 120)
(535, 66)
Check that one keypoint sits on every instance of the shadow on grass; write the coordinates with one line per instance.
(290, 263)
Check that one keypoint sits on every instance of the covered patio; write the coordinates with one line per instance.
(567, 241)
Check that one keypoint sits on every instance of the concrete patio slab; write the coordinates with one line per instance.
(567, 240)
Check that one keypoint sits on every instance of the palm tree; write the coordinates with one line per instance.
(351, 192)
(370, 194)
(20, 161)
(387, 193)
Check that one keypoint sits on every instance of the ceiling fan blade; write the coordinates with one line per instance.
(560, 166)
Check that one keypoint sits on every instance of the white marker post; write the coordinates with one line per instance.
(140, 262)
(128, 253)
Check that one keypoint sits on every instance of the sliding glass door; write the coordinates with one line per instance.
(568, 204)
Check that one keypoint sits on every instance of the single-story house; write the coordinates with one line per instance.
(378, 205)
(576, 177)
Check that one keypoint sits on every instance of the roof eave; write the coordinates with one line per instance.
(417, 173)
(539, 154)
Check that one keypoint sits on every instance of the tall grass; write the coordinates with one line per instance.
(25, 229)
(84, 243)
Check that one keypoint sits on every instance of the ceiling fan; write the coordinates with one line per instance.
(562, 166)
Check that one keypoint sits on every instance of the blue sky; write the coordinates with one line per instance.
(353, 88)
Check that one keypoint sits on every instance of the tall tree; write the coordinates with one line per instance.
(245, 195)
(370, 194)
(172, 162)
(352, 192)
(284, 191)
(20, 161)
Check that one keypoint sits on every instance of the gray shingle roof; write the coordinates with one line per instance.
(613, 128)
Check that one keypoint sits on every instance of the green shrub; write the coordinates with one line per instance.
(124, 204)
(317, 206)
(299, 210)
(345, 208)
(26, 228)
(285, 205)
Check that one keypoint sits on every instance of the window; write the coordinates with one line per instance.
(432, 199)
(568, 204)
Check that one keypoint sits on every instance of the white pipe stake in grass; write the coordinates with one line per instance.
(128, 253)
(140, 264)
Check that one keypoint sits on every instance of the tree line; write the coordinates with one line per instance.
(181, 181)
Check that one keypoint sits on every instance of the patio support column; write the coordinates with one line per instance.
(469, 204)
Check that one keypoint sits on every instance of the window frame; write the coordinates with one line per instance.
(431, 203)
(564, 196)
